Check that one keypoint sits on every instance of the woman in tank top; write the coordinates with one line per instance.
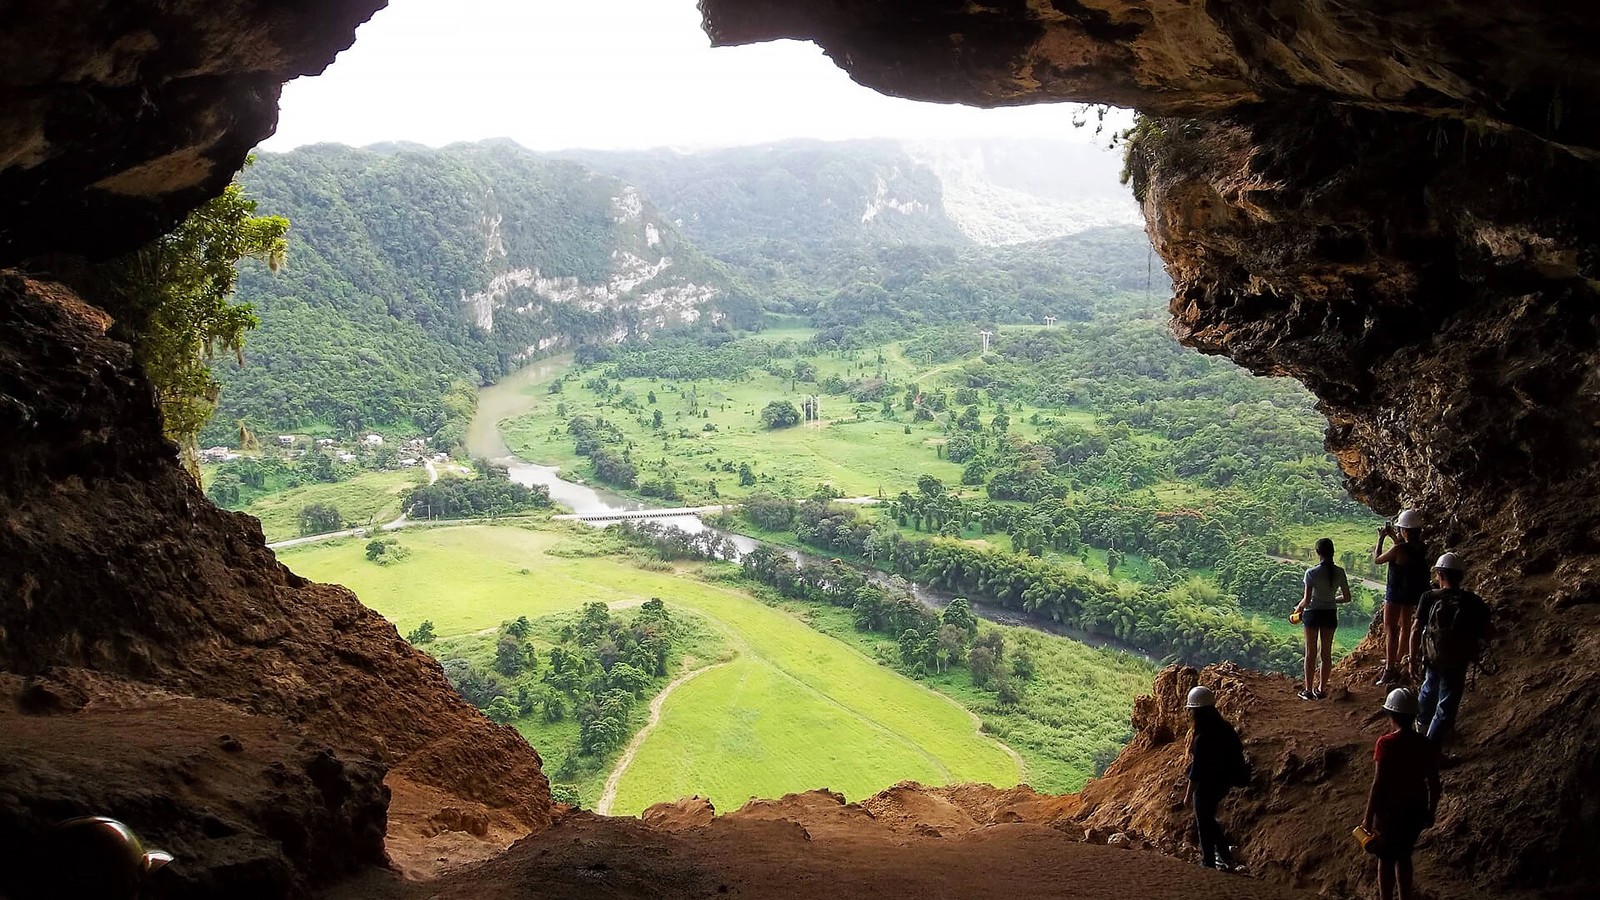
(1327, 586)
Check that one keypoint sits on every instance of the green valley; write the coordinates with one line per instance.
(787, 708)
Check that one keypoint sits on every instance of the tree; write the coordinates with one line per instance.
(982, 663)
(320, 518)
(780, 414)
(959, 613)
(501, 710)
(930, 486)
(1000, 423)
(1113, 559)
(422, 634)
(175, 307)
(224, 490)
(510, 656)
(628, 678)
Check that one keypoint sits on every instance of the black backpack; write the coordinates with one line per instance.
(1452, 636)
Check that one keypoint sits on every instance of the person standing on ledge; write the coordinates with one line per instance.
(1451, 629)
(1327, 586)
(1404, 795)
(1406, 579)
(1216, 764)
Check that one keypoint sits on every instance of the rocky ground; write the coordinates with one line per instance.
(815, 845)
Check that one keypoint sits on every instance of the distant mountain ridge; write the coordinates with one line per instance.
(1001, 192)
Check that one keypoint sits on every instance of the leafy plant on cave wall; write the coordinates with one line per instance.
(176, 305)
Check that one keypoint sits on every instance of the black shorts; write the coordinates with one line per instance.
(1320, 618)
(1397, 836)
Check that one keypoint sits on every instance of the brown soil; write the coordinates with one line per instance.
(813, 845)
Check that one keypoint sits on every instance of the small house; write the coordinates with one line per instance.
(286, 440)
(373, 440)
(346, 457)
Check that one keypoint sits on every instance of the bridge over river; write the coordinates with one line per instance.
(617, 515)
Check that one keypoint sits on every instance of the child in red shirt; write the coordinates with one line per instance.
(1404, 795)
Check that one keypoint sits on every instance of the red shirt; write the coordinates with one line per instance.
(1406, 761)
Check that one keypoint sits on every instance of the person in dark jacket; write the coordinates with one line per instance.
(1216, 765)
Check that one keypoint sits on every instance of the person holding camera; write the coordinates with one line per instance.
(1404, 583)
(1327, 586)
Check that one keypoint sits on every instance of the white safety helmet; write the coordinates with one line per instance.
(1402, 701)
(1408, 518)
(1200, 696)
(1450, 562)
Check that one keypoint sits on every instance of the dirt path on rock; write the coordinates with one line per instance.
(609, 795)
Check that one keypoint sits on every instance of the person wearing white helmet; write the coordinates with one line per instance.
(1404, 795)
(1404, 583)
(1452, 627)
(1216, 764)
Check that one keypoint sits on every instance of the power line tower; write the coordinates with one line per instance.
(986, 335)
(1049, 321)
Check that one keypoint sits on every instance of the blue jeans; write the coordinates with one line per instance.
(1439, 700)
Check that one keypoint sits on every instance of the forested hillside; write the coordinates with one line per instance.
(413, 269)
(416, 275)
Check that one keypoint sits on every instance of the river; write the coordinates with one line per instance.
(518, 393)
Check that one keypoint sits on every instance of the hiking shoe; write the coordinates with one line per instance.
(1306, 695)
(1320, 695)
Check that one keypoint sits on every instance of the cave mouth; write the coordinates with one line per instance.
(831, 777)
(1338, 198)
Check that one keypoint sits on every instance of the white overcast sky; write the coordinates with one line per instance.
(554, 74)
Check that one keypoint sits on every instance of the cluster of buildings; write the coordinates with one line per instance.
(416, 448)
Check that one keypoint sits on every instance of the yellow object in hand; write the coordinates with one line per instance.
(1294, 617)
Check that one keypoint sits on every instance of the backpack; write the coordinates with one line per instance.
(1452, 636)
(1243, 772)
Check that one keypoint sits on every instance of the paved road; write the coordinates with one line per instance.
(395, 525)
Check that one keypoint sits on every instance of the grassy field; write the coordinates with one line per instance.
(1074, 711)
(855, 448)
(371, 497)
(699, 643)
(879, 727)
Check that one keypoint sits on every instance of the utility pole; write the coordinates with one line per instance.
(986, 335)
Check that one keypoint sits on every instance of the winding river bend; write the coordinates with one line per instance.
(517, 394)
